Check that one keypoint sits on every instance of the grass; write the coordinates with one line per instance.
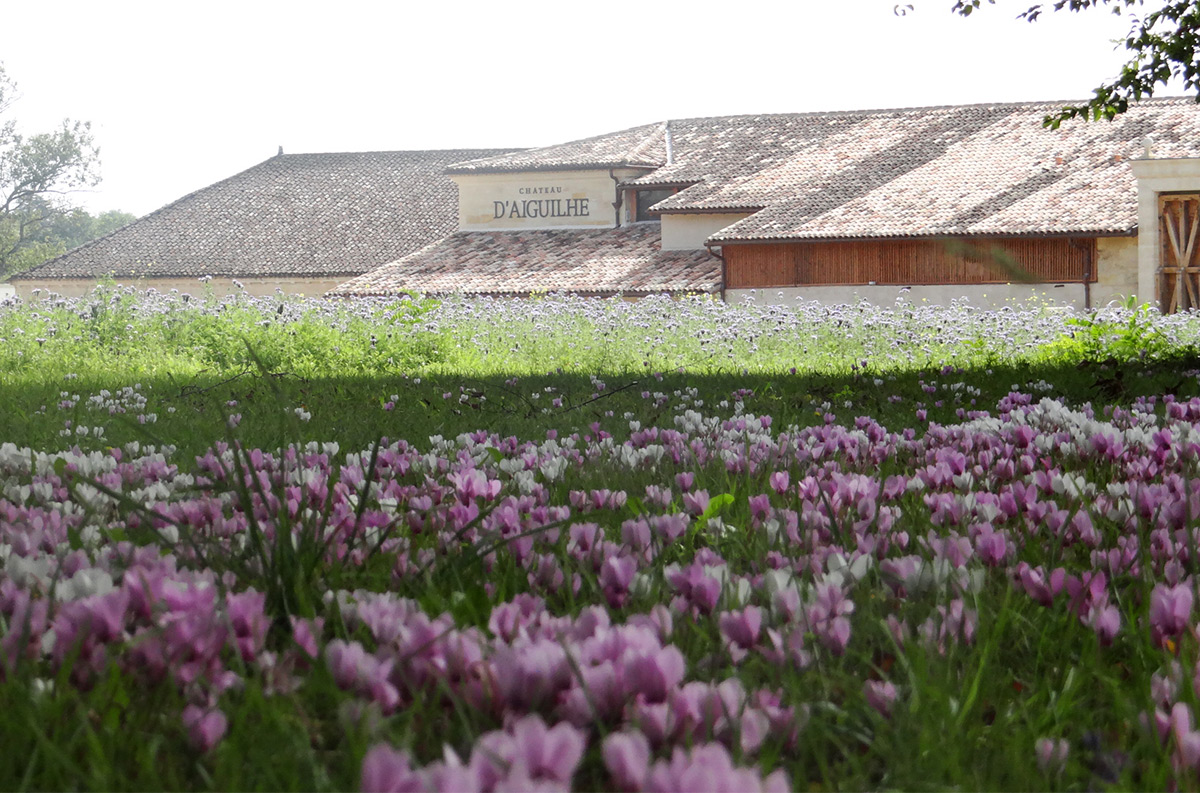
(551, 400)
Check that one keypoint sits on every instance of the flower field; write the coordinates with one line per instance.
(568, 544)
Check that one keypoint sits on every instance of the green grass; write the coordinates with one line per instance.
(967, 719)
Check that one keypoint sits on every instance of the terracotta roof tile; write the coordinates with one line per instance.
(980, 170)
(639, 147)
(292, 215)
(971, 169)
(591, 261)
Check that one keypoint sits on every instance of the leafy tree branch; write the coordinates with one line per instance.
(1163, 42)
(36, 172)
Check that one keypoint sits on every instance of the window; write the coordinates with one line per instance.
(644, 199)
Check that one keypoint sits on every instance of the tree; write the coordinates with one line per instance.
(59, 230)
(36, 172)
(1163, 43)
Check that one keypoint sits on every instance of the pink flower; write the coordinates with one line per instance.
(695, 503)
(1051, 755)
(249, 622)
(616, 574)
(760, 508)
(1187, 740)
(1037, 586)
(205, 728)
(527, 756)
(779, 482)
(880, 694)
(740, 630)
(709, 767)
(386, 770)
(669, 527)
(654, 675)
(1170, 610)
(627, 758)
(542, 753)
(354, 670)
(1106, 622)
(530, 675)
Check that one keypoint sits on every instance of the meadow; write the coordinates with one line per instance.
(570, 544)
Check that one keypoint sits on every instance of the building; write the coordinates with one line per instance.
(977, 201)
(303, 223)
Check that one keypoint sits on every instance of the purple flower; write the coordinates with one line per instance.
(1170, 611)
(355, 670)
(740, 630)
(1187, 740)
(779, 482)
(654, 674)
(709, 767)
(616, 574)
(205, 728)
(695, 503)
(880, 694)
(543, 753)
(627, 758)
(386, 770)
(530, 675)
(1037, 586)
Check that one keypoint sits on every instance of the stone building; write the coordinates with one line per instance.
(977, 201)
(303, 223)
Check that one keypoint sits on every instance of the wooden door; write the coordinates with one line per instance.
(1179, 255)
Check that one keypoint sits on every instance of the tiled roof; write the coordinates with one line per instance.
(640, 147)
(292, 215)
(982, 170)
(975, 169)
(629, 260)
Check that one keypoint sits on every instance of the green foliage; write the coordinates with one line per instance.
(1134, 339)
(969, 718)
(1164, 44)
(34, 171)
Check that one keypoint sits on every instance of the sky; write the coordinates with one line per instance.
(181, 95)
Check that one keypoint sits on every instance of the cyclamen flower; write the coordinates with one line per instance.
(616, 574)
(740, 629)
(627, 758)
(880, 694)
(828, 617)
(531, 751)
(205, 728)
(709, 767)
(1170, 611)
(1038, 586)
(355, 670)
(1187, 740)
(1051, 755)
(695, 503)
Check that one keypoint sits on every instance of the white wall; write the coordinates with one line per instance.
(1116, 270)
(77, 287)
(984, 295)
(688, 232)
(515, 201)
(7, 290)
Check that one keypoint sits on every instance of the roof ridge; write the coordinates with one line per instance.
(912, 108)
(454, 167)
(650, 139)
(496, 150)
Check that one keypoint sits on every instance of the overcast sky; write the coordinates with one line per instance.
(181, 95)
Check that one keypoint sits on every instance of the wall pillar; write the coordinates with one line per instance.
(1157, 175)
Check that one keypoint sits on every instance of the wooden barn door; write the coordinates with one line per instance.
(1179, 258)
